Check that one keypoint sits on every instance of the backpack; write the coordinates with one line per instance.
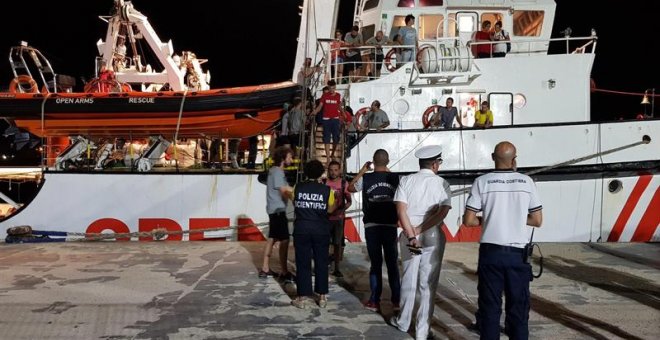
(508, 42)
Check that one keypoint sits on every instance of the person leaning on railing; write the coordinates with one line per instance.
(353, 57)
(483, 118)
(337, 57)
(376, 119)
(377, 53)
(445, 116)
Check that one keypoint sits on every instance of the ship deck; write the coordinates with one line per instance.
(210, 290)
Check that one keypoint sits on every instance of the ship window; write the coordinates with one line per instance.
(406, 3)
(398, 22)
(427, 3)
(492, 17)
(466, 24)
(430, 26)
(527, 23)
(519, 100)
(368, 32)
(370, 4)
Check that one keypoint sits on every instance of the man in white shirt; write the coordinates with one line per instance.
(509, 202)
(419, 196)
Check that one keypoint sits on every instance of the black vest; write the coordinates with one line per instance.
(378, 190)
(310, 204)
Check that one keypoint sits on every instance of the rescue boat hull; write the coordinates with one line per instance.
(230, 113)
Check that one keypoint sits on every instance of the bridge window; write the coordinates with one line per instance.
(466, 23)
(398, 22)
(527, 23)
(427, 3)
(406, 3)
(492, 17)
(370, 4)
(430, 26)
(368, 32)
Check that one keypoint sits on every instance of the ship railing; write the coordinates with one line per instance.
(36, 62)
(370, 69)
(570, 45)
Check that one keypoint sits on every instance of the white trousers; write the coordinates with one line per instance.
(420, 279)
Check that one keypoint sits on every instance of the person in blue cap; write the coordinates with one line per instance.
(422, 194)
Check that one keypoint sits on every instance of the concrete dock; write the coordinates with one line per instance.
(210, 290)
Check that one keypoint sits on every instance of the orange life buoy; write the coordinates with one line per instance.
(359, 114)
(21, 82)
(388, 60)
(426, 120)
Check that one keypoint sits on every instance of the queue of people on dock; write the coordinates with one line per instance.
(403, 218)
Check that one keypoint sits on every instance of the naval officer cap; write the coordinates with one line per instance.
(429, 152)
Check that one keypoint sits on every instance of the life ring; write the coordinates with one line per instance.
(359, 114)
(21, 82)
(426, 119)
(388, 60)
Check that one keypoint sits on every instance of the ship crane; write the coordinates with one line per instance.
(178, 73)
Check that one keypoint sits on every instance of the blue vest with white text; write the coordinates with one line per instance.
(310, 204)
(378, 190)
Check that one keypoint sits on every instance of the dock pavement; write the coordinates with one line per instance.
(210, 290)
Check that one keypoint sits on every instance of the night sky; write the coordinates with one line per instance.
(251, 42)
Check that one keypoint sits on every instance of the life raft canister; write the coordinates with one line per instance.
(20, 85)
(392, 52)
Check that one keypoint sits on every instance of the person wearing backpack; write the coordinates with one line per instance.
(503, 44)
(344, 201)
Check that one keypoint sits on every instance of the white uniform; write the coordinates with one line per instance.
(421, 191)
(504, 190)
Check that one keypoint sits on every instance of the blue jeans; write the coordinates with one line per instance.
(501, 269)
(382, 239)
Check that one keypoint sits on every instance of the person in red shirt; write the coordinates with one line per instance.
(482, 50)
(330, 103)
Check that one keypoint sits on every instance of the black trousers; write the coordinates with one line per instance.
(501, 270)
(310, 247)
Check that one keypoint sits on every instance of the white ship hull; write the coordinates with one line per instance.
(540, 102)
(577, 208)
